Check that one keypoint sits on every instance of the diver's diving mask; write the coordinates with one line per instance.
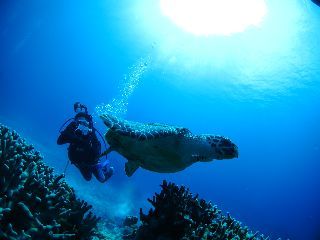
(80, 108)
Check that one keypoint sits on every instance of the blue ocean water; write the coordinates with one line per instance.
(260, 87)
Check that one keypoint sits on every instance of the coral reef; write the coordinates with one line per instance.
(111, 230)
(35, 203)
(130, 221)
(129, 228)
(178, 214)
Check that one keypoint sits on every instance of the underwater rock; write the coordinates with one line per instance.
(34, 202)
(178, 214)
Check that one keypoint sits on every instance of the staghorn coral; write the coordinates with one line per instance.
(178, 214)
(35, 203)
(130, 221)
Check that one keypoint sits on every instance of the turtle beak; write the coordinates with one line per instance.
(228, 149)
(234, 153)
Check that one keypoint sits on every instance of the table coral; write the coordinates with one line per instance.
(34, 202)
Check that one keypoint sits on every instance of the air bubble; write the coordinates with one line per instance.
(119, 105)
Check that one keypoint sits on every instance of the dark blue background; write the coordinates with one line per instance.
(53, 53)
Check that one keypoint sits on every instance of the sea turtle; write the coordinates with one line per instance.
(163, 148)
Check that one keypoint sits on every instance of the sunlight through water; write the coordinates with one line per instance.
(200, 45)
(214, 17)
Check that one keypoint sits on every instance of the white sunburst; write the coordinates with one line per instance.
(214, 17)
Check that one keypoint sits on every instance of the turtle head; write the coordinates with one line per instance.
(223, 148)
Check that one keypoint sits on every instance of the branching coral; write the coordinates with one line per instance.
(35, 203)
(178, 214)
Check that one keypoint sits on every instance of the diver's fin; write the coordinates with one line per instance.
(131, 167)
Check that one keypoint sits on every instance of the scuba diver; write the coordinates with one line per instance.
(84, 149)
(317, 2)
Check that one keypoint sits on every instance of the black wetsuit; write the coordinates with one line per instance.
(84, 150)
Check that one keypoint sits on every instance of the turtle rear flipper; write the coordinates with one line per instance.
(131, 167)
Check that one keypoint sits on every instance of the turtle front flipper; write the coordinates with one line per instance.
(131, 167)
(112, 121)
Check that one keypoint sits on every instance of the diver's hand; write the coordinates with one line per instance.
(84, 130)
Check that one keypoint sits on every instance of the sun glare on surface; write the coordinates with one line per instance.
(214, 17)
